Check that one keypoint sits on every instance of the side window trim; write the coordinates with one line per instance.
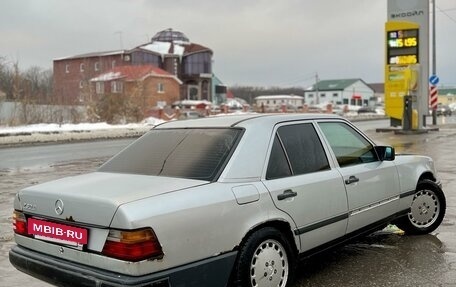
(329, 151)
(284, 151)
(271, 174)
(332, 160)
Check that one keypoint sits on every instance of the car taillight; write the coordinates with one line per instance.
(134, 245)
(19, 223)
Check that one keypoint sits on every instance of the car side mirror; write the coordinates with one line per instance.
(385, 153)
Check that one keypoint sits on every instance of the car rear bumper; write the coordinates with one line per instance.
(214, 271)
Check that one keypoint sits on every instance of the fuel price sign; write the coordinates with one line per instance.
(402, 47)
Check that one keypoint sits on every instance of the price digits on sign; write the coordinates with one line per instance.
(399, 43)
(404, 60)
(402, 47)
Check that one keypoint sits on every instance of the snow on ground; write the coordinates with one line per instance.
(82, 127)
(50, 128)
(45, 133)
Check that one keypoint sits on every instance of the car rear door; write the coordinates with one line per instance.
(372, 185)
(303, 183)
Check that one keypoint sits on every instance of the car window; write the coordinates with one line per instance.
(185, 153)
(347, 144)
(303, 150)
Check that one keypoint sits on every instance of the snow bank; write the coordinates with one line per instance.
(55, 128)
(46, 133)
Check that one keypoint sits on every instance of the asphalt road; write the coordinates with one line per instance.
(381, 259)
(46, 155)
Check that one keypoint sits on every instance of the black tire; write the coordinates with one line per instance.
(426, 211)
(265, 259)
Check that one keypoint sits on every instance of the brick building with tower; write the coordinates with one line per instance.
(169, 51)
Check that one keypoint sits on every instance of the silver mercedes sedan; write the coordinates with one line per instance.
(221, 201)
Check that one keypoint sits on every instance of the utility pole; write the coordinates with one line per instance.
(434, 64)
(316, 89)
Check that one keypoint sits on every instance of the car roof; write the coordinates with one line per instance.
(240, 120)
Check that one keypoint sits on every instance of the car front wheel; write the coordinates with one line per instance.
(265, 260)
(426, 211)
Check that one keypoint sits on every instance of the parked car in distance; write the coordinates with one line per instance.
(184, 115)
(314, 109)
(368, 110)
(441, 110)
(221, 201)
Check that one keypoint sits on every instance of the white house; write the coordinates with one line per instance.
(276, 102)
(340, 92)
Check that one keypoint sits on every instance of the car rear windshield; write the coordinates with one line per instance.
(185, 153)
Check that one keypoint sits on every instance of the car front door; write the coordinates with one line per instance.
(304, 183)
(372, 185)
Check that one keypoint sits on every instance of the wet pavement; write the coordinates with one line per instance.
(381, 259)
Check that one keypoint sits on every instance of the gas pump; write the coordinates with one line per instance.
(410, 115)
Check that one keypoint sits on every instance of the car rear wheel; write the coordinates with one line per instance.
(265, 260)
(426, 211)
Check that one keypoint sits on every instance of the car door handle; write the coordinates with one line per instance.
(287, 194)
(351, 179)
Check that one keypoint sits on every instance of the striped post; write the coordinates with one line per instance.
(433, 97)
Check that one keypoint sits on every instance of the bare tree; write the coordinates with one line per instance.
(39, 85)
(126, 106)
(136, 102)
(6, 78)
(25, 90)
(110, 107)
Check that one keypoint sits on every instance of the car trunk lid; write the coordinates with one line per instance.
(94, 198)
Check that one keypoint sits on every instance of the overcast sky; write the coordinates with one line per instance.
(258, 42)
